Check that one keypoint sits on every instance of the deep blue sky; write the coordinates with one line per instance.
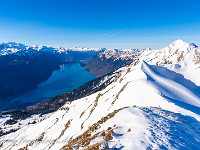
(100, 23)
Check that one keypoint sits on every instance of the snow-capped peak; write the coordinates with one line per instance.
(179, 41)
(181, 45)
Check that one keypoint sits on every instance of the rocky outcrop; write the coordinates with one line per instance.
(109, 61)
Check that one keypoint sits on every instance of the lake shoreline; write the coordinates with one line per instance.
(18, 104)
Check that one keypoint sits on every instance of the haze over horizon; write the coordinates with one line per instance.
(95, 23)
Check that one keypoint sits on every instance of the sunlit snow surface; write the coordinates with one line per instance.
(161, 97)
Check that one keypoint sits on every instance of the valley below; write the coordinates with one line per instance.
(69, 77)
(33, 74)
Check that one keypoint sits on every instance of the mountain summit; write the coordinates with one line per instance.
(153, 103)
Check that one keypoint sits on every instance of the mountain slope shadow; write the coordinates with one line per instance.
(174, 87)
(182, 131)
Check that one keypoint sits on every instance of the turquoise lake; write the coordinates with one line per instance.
(67, 78)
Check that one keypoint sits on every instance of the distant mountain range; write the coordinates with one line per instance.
(151, 103)
(21, 49)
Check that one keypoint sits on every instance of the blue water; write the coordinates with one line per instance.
(67, 78)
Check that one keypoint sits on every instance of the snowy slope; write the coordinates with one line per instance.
(153, 104)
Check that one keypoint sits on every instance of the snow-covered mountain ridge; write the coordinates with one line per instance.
(110, 60)
(21, 49)
(154, 103)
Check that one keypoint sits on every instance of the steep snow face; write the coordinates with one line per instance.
(151, 105)
(170, 87)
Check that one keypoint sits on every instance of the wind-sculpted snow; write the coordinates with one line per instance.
(169, 87)
(150, 105)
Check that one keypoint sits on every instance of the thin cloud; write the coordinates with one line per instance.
(107, 33)
(113, 34)
(110, 34)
